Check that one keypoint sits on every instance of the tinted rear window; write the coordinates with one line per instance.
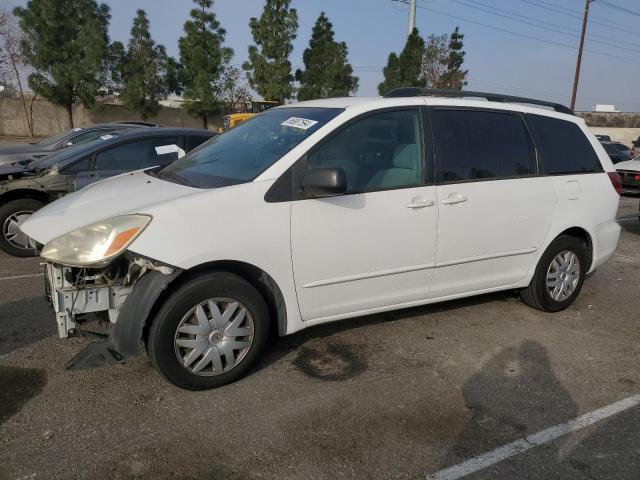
(471, 145)
(563, 147)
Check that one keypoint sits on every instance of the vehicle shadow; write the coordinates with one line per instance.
(337, 361)
(516, 394)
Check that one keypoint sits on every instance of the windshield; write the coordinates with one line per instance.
(244, 152)
(56, 138)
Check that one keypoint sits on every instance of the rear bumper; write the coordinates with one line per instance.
(606, 239)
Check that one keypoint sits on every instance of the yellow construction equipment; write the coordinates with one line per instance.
(251, 109)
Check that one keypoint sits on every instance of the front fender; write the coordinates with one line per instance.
(124, 339)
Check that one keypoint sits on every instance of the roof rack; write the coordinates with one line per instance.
(492, 97)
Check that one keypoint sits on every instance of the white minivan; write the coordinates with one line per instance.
(324, 210)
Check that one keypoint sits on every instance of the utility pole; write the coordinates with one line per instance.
(579, 62)
(412, 16)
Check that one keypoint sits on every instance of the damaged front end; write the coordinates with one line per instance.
(121, 293)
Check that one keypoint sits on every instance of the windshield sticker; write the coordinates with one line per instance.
(165, 149)
(301, 123)
(106, 137)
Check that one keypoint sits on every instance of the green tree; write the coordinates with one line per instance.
(327, 72)
(391, 74)
(113, 63)
(268, 68)
(454, 77)
(203, 60)
(65, 41)
(144, 70)
(405, 70)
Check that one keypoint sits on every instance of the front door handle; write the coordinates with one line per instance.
(419, 202)
(454, 198)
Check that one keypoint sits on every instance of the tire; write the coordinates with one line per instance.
(178, 330)
(10, 212)
(538, 295)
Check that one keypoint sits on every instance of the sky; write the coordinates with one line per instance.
(534, 57)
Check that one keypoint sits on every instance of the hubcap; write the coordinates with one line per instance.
(214, 336)
(11, 230)
(563, 275)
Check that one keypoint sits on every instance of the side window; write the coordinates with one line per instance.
(83, 165)
(193, 142)
(472, 144)
(563, 147)
(382, 151)
(135, 154)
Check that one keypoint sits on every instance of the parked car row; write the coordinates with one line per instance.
(78, 158)
(69, 138)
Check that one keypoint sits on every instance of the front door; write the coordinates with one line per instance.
(373, 247)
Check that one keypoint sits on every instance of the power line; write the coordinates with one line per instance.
(559, 7)
(559, 10)
(556, 25)
(530, 37)
(513, 19)
(618, 7)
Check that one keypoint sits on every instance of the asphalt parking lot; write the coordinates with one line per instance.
(398, 395)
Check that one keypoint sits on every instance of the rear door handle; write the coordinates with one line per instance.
(454, 198)
(419, 202)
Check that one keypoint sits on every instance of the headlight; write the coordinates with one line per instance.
(96, 244)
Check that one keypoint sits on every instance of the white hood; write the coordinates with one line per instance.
(128, 193)
(633, 165)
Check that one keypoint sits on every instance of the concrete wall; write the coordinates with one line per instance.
(622, 135)
(621, 127)
(50, 119)
(610, 119)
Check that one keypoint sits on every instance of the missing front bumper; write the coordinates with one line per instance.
(128, 304)
(70, 302)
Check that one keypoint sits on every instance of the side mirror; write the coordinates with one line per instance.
(324, 182)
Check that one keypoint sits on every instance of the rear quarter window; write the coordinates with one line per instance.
(562, 146)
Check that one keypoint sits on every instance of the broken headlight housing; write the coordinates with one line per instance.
(97, 244)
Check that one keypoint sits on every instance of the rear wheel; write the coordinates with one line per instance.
(559, 275)
(12, 215)
(209, 331)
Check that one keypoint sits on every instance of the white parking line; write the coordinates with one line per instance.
(522, 445)
(15, 277)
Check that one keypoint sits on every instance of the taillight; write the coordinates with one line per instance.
(637, 178)
(615, 181)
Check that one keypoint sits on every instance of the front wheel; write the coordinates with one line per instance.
(209, 331)
(559, 275)
(12, 215)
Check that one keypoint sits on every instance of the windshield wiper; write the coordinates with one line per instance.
(167, 175)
